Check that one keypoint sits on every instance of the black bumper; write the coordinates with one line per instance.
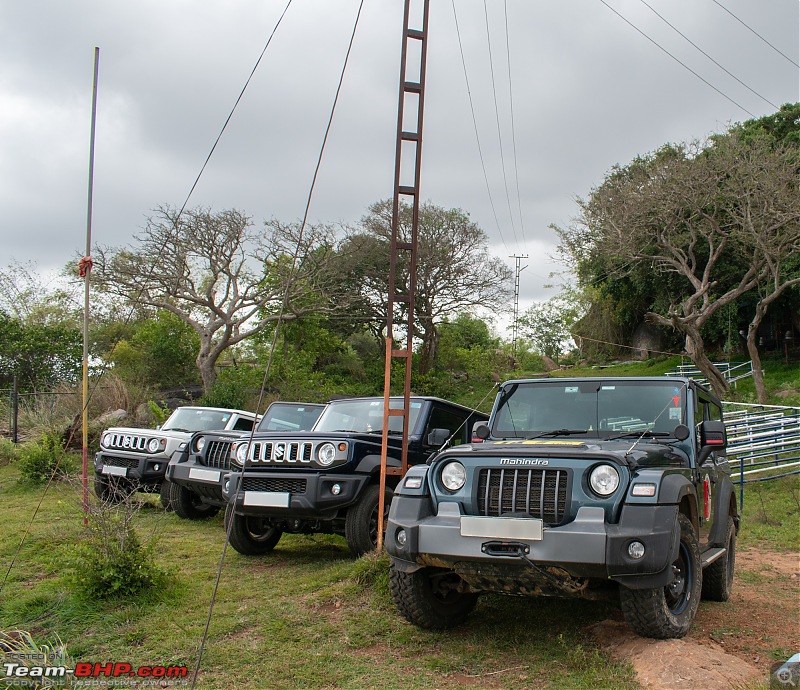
(279, 494)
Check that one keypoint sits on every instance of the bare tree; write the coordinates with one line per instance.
(219, 275)
(705, 213)
(774, 183)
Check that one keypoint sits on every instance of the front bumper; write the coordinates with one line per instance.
(586, 547)
(206, 482)
(305, 495)
(135, 467)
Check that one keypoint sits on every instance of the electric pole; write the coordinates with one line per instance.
(518, 258)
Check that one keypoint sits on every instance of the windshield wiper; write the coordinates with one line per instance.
(177, 428)
(557, 432)
(639, 434)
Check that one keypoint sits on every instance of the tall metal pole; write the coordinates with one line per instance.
(518, 258)
(85, 267)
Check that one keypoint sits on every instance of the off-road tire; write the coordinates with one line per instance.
(718, 577)
(361, 521)
(430, 597)
(668, 612)
(110, 489)
(164, 495)
(251, 535)
(189, 505)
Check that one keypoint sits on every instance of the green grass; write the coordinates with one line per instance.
(771, 514)
(306, 616)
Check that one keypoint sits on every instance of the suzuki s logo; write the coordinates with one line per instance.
(280, 451)
(527, 462)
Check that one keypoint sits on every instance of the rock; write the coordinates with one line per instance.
(704, 666)
(549, 364)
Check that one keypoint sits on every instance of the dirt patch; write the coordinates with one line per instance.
(731, 643)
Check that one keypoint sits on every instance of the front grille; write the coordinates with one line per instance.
(292, 486)
(218, 455)
(538, 493)
(120, 462)
(127, 442)
(280, 451)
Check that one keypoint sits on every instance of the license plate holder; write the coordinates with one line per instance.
(530, 529)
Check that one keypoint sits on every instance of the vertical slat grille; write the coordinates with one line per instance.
(536, 492)
(218, 455)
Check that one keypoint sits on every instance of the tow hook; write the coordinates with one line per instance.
(505, 548)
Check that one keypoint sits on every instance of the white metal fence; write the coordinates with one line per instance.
(763, 442)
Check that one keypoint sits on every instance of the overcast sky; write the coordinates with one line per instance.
(588, 91)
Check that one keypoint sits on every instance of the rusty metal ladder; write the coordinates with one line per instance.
(409, 146)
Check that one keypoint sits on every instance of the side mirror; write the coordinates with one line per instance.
(713, 434)
(437, 437)
(480, 432)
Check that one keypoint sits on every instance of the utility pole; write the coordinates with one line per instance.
(518, 258)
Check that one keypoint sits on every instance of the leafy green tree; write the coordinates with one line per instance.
(39, 355)
(158, 352)
(548, 325)
(455, 272)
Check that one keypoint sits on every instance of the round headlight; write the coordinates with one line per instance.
(199, 443)
(604, 480)
(241, 452)
(152, 445)
(454, 476)
(106, 440)
(326, 454)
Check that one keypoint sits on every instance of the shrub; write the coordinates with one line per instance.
(40, 460)
(111, 559)
(7, 451)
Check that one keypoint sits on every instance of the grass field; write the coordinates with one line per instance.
(306, 616)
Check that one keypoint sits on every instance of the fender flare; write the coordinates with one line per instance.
(371, 464)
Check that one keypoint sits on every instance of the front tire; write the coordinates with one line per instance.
(164, 495)
(668, 612)
(189, 505)
(251, 535)
(431, 598)
(361, 521)
(718, 577)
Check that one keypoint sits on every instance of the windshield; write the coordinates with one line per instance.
(605, 408)
(196, 419)
(289, 417)
(365, 415)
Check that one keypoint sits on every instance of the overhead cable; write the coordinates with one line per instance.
(284, 303)
(679, 32)
(475, 127)
(513, 127)
(497, 120)
(682, 64)
(751, 29)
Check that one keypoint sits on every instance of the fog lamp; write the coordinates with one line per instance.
(156, 467)
(336, 489)
(401, 537)
(636, 549)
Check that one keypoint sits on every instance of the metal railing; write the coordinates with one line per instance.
(731, 371)
(763, 440)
